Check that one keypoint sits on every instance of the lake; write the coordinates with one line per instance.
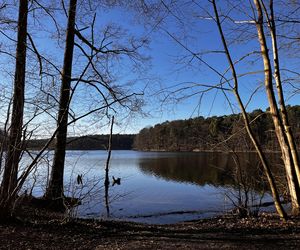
(156, 187)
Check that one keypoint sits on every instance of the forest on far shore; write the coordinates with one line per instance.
(89, 142)
(195, 134)
(215, 133)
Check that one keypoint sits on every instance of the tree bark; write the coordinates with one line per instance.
(278, 124)
(55, 186)
(10, 175)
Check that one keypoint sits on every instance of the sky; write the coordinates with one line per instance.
(171, 66)
(170, 60)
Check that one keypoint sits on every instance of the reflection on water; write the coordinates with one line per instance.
(156, 187)
(217, 169)
(194, 168)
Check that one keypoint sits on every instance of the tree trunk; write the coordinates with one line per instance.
(283, 111)
(278, 124)
(10, 175)
(55, 186)
(258, 149)
(106, 181)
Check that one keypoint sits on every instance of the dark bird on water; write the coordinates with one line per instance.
(116, 181)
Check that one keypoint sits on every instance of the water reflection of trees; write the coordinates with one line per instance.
(218, 169)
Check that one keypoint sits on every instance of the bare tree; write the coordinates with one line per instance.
(277, 75)
(112, 95)
(96, 75)
(9, 181)
(280, 131)
(106, 180)
(258, 148)
(55, 187)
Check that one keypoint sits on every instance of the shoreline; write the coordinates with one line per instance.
(205, 151)
(167, 151)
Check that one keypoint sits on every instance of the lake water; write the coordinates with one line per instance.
(156, 187)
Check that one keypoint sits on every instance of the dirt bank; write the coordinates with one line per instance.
(266, 232)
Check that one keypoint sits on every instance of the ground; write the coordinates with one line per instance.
(227, 232)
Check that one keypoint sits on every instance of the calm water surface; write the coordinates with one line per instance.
(156, 187)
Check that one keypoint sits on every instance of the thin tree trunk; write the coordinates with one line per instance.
(10, 175)
(279, 129)
(277, 75)
(55, 187)
(106, 181)
(5, 136)
(258, 148)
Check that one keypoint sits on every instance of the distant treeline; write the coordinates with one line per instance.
(215, 133)
(90, 142)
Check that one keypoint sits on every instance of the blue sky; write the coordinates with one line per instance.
(171, 67)
(167, 53)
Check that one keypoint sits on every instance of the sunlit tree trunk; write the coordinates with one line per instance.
(258, 148)
(277, 76)
(278, 123)
(55, 186)
(9, 181)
